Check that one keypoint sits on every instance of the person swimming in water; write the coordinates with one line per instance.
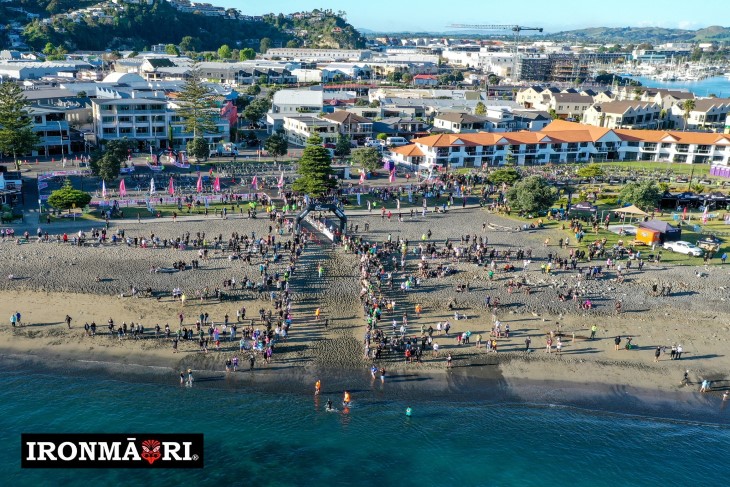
(329, 404)
(346, 399)
(317, 387)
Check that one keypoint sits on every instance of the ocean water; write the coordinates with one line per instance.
(718, 85)
(263, 439)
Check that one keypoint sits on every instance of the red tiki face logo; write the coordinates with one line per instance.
(151, 450)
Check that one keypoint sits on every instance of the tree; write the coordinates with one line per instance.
(480, 109)
(67, 197)
(107, 163)
(508, 175)
(394, 76)
(189, 44)
(343, 147)
(224, 52)
(246, 54)
(256, 109)
(315, 168)
(294, 43)
(264, 45)
(276, 145)
(172, 50)
(407, 78)
(253, 90)
(197, 105)
(367, 158)
(688, 106)
(381, 136)
(198, 148)
(553, 114)
(132, 54)
(16, 126)
(590, 171)
(532, 195)
(645, 194)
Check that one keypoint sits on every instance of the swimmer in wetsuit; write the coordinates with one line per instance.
(329, 404)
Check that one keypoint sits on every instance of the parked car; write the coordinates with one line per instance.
(682, 247)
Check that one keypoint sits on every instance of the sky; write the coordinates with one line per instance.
(555, 15)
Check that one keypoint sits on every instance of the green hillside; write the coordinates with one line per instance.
(136, 26)
(638, 35)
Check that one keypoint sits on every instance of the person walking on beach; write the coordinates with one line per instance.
(527, 344)
(182, 377)
(594, 328)
(685, 378)
(679, 352)
(657, 353)
(617, 342)
(251, 362)
(68, 321)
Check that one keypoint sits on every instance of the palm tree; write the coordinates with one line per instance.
(688, 106)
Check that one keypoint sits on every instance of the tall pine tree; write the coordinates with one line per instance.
(197, 106)
(315, 169)
(16, 125)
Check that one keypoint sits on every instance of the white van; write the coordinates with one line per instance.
(396, 141)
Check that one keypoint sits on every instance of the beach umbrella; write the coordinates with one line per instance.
(199, 186)
(122, 188)
(152, 185)
(255, 182)
(103, 189)
(171, 187)
(217, 184)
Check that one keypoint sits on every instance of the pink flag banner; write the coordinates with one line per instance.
(362, 177)
(280, 184)
(255, 182)
(122, 189)
(392, 176)
(171, 187)
(199, 186)
(217, 184)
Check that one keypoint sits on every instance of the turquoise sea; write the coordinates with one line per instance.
(266, 438)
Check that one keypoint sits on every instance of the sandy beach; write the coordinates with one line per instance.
(92, 283)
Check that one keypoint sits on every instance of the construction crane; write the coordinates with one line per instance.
(514, 28)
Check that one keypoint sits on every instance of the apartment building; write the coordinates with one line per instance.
(707, 114)
(563, 141)
(624, 114)
(152, 122)
(298, 128)
(318, 54)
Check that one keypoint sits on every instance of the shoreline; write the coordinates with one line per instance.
(465, 384)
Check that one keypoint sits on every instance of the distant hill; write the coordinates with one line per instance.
(638, 35)
(135, 26)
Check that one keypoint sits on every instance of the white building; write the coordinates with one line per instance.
(298, 128)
